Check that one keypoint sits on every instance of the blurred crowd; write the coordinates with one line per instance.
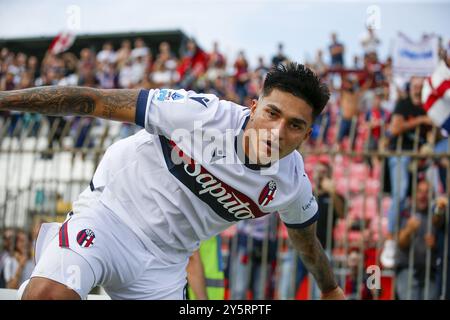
(368, 111)
(17, 255)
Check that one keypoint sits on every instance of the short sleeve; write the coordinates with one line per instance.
(303, 211)
(162, 111)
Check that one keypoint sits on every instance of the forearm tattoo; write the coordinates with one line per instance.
(314, 258)
(53, 100)
(84, 101)
(117, 102)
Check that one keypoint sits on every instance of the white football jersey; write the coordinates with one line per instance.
(174, 187)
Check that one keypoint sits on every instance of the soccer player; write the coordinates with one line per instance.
(200, 165)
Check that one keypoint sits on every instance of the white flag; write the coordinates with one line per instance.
(415, 58)
(436, 96)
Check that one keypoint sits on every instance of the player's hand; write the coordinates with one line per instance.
(336, 294)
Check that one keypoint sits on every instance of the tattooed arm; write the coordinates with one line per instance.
(315, 260)
(116, 104)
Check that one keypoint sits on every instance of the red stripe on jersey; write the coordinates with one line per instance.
(244, 200)
(66, 234)
(60, 237)
(263, 194)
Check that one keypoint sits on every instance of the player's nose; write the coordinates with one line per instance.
(279, 131)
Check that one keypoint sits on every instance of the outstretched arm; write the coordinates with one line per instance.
(311, 252)
(113, 104)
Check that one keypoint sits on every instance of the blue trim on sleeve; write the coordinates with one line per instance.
(141, 106)
(304, 224)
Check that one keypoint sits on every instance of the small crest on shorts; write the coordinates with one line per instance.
(85, 238)
(268, 193)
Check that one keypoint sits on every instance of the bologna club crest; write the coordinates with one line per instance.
(268, 193)
(85, 238)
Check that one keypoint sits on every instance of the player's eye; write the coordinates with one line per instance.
(296, 126)
(271, 113)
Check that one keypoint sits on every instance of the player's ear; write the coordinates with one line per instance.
(253, 106)
(307, 135)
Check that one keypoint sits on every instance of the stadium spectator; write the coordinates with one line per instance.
(351, 95)
(164, 68)
(376, 118)
(123, 54)
(414, 229)
(261, 68)
(86, 68)
(107, 54)
(327, 195)
(71, 73)
(357, 63)
(8, 81)
(126, 75)
(107, 75)
(241, 76)
(139, 67)
(106, 72)
(18, 267)
(442, 163)
(33, 66)
(336, 50)
(407, 116)
(352, 280)
(193, 64)
(5, 254)
(440, 223)
(216, 63)
(140, 50)
(370, 41)
(279, 57)
(319, 65)
(246, 268)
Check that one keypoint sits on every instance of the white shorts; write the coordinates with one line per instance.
(94, 248)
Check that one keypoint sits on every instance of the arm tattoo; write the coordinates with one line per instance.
(117, 101)
(313, 256)
(51, 100)
(117, 104)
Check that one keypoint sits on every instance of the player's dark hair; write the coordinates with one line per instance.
(299, 81)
